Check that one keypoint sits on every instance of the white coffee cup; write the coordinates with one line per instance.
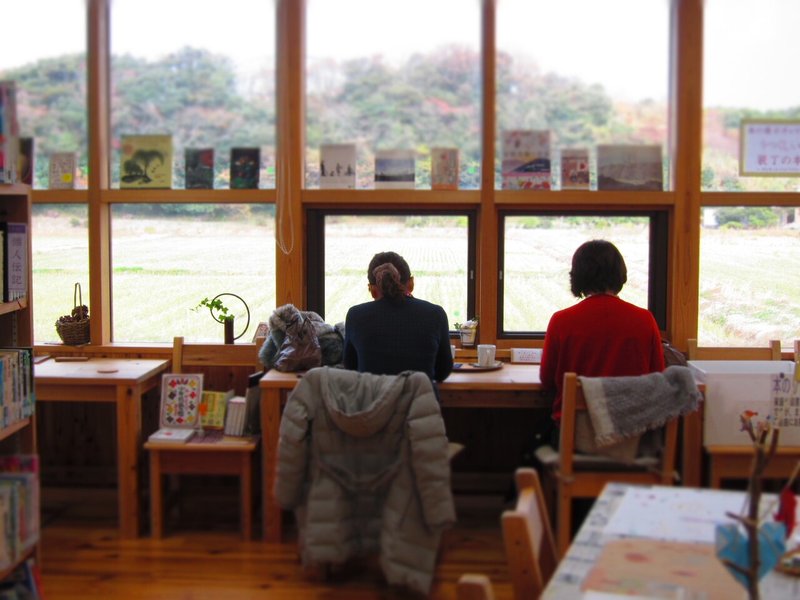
(453, 350)
(486, 354)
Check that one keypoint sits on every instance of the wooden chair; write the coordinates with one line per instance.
(733, 462)
(205, 458)
(584, 476)
(474, 586)
(528, 537)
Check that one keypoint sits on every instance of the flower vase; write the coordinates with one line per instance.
(228, 324)
(469, 336)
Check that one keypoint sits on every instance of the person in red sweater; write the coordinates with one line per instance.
(602, 335)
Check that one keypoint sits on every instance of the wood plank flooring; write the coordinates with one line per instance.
(83, 557)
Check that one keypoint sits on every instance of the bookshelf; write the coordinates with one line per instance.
(18, 432)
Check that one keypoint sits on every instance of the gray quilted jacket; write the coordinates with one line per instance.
(362, 459)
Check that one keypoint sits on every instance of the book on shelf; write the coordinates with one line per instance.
(179, 415)
(62, 171)
(235, 417)
(394, 169)
(245, 168)
(575, 169)
(172, 434)
(444, 168)
(25, 160)
(17, 395)
(199, 168)
(15, 260)
(9, 132)
(146, 161)
(630, 167)
(212, 408)
(337, 166)
(526, 159)
(23, 583)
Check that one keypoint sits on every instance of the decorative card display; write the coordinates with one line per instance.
(180, 400)
(199, 168)
(337, 166)
(245, 168)
(526, 159)
(630, 167)
(62, 171)
(444, 168)
(146, 161)
(575, 169)
(394, 169)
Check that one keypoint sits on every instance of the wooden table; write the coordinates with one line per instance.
(686, 515)
(122, 381)
(513, 386)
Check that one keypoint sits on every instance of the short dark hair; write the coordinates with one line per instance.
(597, 266)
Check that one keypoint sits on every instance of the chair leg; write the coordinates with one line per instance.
(564, 510)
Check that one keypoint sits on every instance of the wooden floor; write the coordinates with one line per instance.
(83, 557)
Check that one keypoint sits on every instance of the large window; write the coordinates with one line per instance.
(166, 258)
(750, 51)
(403, 75)
(749, 276)
(437, 247)
(589, 72)
(537, 257)
(46, 56)
(200, 71)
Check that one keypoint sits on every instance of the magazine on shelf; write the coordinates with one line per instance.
(444, 168)
(62, 171)
(630, 167)
(394, 169)
(337, 166)
(575, 169)
(245, 168)
(146, 161)
(526, 159)
(199, 168)
(179, 418)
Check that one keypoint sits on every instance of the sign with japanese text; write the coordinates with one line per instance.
(769, 148)
(785, 401)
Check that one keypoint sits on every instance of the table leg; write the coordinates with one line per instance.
(129, 426)
(270, 426)
(156, 496)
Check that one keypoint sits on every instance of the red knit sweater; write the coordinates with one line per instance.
(601, 336)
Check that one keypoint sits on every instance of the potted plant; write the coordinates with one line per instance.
(468, 330)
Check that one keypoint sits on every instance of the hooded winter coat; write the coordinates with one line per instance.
(363, 461)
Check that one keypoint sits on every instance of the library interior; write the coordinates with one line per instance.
(465, 300)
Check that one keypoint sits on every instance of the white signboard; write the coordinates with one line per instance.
(785, 402)
(769, 148)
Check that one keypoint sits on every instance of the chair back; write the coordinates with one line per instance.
(474, 586)
(214, 355)
(771, 352)
(528, 537)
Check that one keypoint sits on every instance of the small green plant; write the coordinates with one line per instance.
(218, 310)
(471, 324)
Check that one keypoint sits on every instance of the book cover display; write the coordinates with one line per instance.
(526, 159)
(629, 167)
(14, 260)
(245, 168)
(199, 168)
(146, 161)
(337, 166)
(9, 132)
(575, 169)
(181, 394)
(62, 171)
(394, 169)
(444, 168)
(212, 408)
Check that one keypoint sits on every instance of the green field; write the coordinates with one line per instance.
(162, 268)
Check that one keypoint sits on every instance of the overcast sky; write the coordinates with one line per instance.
(751, 64)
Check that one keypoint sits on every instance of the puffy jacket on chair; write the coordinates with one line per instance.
(363, 461)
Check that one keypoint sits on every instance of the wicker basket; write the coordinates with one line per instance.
(73, 329)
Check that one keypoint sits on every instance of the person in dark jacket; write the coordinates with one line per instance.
(396, 332)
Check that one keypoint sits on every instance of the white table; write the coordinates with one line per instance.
(601, 528)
